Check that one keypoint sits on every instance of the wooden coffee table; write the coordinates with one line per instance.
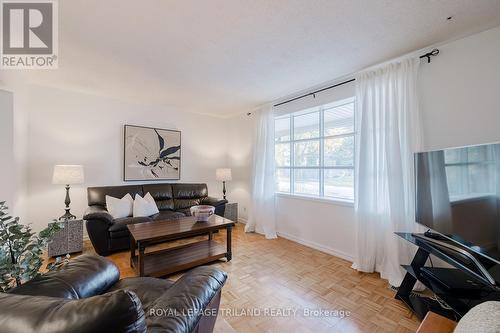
(179, 258)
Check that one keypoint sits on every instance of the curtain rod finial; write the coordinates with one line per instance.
(428, 55)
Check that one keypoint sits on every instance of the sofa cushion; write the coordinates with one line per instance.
(97, 195)
(119, 228)
(116, 312)
(167, 215)
(148, 289)
(84, 276)
(189, 191)
(180, 205)
(188, 195)
(162, 193)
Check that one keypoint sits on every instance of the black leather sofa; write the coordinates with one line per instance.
(173, 200)
(86, 296)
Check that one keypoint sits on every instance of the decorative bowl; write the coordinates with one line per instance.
(202, 212)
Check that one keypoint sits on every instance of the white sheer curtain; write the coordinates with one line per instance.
(388, 130)
(262, 217)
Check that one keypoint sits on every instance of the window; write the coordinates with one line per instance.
(315, 151)
(469, 171)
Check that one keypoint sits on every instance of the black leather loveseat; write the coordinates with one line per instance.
(173, 200)
(86, 296)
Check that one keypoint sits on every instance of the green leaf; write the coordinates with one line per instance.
(21, 249)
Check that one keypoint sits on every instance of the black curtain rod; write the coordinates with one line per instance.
(314, 92)
(428, 55)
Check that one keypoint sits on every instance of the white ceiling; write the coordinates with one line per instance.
(223, 57)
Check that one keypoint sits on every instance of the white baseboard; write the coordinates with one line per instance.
(316, 246)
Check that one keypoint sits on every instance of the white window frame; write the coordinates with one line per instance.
(321, 167)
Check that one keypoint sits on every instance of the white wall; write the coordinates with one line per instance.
(460, 92)
(67, 127)
(239, 158)
(7, 174)
(12, 82)
(325, 226)
(460, 106)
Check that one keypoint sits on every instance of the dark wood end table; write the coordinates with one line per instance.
(167, 261)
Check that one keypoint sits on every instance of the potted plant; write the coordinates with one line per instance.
(21, 249)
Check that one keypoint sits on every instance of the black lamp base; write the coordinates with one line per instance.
(67, 216)
(67, 201)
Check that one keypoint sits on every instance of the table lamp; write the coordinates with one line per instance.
(223, 174)
(67, 175)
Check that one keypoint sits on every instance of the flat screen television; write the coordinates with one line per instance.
(458, 196)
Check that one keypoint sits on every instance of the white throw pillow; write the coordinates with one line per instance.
(120, 207)
(145, 206)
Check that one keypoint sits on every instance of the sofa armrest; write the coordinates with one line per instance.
(119, 311)
(184, 304)
(98, 213)
(97, 221)
(219, 204)
(213, 201)
(84, 276)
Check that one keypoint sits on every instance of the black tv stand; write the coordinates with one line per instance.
(460, 287)
(460, 254)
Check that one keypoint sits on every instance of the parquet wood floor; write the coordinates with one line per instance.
(282, 274)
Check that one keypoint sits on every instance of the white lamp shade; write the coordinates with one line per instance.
(223, 174)
(67, 174)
